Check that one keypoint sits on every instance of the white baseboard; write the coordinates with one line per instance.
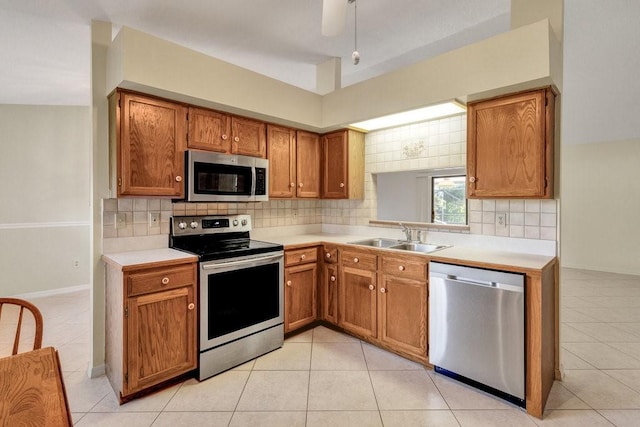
(96, 371)
(53, 292)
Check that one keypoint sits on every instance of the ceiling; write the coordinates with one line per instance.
(46, 45)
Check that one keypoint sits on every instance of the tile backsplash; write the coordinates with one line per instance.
(428, 145)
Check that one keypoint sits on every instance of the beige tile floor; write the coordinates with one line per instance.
(323, 378)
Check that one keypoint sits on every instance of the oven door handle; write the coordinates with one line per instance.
(244, 261)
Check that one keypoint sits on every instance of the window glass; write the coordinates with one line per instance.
(448, 202)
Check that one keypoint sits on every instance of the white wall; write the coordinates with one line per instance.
(600, 190)
(44, 186)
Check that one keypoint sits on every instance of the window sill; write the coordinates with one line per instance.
(421, 225)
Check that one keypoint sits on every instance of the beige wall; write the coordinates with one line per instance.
(44, 183)
(600, 206)
(600, 137)
(522, 58)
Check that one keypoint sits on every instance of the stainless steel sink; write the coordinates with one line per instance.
(381, 242)
(378, 242)
(424, 248)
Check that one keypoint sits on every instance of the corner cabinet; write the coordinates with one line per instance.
(343, 165)
(151, 325)
(510, 143)
(150, 143)
(329, 285)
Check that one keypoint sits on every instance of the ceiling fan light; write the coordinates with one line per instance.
(334, 17)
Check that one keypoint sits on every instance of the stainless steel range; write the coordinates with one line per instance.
(241, 289)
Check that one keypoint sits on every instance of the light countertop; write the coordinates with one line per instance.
(149, 257)
(454, 254)
(451, 254)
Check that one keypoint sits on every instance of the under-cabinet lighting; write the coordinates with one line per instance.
(419, 115)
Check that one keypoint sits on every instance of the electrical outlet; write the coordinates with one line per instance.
(154, 219)
(120, 220)
(76, 263)
(501, 219)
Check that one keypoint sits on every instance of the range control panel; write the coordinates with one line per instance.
(210, 224)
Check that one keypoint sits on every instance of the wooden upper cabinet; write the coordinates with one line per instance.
(308, 161)
(215, 131)
(281, 154)
(294, 163)
(510, 146)
(150, 145)
(343, 165)
(209, 130)
(249, 137)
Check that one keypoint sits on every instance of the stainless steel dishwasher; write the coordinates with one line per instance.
(476, 328)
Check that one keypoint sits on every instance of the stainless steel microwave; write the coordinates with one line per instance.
(216, 177)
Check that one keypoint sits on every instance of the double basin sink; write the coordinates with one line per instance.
(381, 242)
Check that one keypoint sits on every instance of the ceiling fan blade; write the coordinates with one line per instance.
(334, 17)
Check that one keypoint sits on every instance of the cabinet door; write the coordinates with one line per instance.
(335, 165)
(301, 299)
(510, 146)
(249, 137)
(151, 147)
(329, 293)
(357, 301)
(161, 337)
(209, 130)
(403, 315)
(308, 159)
(281, 153)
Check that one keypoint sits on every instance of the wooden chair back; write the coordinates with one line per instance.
(12, 316)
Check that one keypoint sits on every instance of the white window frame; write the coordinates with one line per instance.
(425, 190)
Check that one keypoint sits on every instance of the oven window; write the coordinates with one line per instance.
(221, 179)
(241, 298)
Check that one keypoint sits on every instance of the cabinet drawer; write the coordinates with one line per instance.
(358, 260)
(300, 256)
(160, 279)
(410, 269)
(330, 254)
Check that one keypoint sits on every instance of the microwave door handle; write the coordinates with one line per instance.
(253, 182)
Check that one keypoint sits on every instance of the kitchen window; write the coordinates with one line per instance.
(449, 205)
(435, 196)
(443, 196)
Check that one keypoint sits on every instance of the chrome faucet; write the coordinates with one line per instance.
(412, 234)
(406, 230)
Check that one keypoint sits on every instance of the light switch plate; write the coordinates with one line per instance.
(120, 220)
(154, 219)
(501, 219)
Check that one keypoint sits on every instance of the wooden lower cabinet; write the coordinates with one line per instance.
(357, 301)
(328, 286)
(329, 294)
(300, 298)
(402, 315)
(151, 325)
(384, 299)
(301, 287)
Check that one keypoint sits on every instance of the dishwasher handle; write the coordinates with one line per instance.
(472, 281)
(475, 282)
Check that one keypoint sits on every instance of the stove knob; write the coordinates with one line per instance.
(244, 222)
(182, 225)
(194, 224)
(235, 222)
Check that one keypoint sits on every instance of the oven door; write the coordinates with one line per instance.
(240, 296)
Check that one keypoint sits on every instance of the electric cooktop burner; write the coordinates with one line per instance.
(214, 237)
